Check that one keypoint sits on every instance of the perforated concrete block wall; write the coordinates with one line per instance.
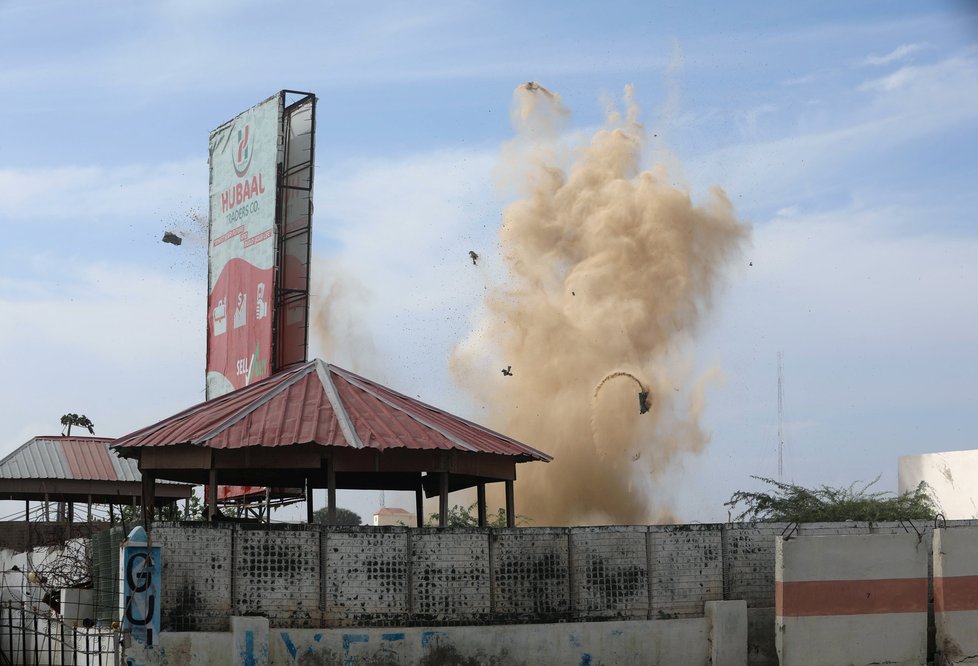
(196, 573)
(687, 569)
(748, 552)
(531, 579)
(450, 576)
(277, 575)
(609, 572)
(365, 576)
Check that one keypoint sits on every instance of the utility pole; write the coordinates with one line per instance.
(780, 417)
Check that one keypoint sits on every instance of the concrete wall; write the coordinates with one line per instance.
(956, 594)
(857, 599)
(383, 577)
(311, 576)
(716, 640)
(950, 475)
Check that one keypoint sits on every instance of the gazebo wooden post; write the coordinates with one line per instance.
(69, 517)
(481, 498)
(309, 501)
(88, 513)
(212, 494)
(268, 505)
(27, 525)
(331, 491)
(149, 498)
(442, 499)
(510, 505)
(419, 503)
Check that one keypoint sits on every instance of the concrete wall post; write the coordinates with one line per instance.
(727, 622)
(249, 641)
(956, 594)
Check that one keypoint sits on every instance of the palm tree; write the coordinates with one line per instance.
(79, 420)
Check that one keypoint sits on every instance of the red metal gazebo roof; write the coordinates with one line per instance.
(323, 404)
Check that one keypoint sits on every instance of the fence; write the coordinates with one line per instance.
(311, 576)
(31, 637)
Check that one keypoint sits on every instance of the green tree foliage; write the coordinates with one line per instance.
(79, 420)
(459, 516)
(788, 502)
(170, 512)
(343, 517)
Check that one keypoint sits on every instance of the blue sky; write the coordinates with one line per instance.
(844, 133)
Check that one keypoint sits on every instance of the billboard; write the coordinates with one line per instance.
(260, 165)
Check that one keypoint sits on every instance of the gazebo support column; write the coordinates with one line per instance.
(510, 505)
(148, 498)
(212, 494)
(419, 504)
(442, 499)
(69, 518)
(481, 495)
(308, 501)
(331, 491)
(27, 524)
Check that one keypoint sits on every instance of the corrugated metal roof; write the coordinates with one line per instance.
(76, 458)
(321, 403)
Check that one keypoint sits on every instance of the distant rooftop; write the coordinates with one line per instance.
(392, 511)
(73, 469)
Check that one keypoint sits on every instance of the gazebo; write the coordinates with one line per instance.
(76, 470)
(320, 426)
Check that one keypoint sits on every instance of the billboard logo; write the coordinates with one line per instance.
(242, 156)
(261, 310)
(220, 317)
(241, 311)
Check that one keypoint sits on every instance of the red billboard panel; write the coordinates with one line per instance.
(244, 156)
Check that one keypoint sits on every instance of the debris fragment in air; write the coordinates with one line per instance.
(508, 371)
(474, 257)
(644, 403)
(172, 238)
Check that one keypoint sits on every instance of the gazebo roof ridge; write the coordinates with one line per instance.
(286, 409)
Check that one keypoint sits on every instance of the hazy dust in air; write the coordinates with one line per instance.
(610, 271)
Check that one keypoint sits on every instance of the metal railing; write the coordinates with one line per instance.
(30, 637)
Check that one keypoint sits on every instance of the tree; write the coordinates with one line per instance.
(791, 503)
(79, 420)
(173, 511)
(344, 517)
(459, 516)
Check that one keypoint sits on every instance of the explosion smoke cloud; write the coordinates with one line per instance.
(611, 269)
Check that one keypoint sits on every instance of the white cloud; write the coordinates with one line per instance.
(72, 192)
(117, 342)
(899, 53)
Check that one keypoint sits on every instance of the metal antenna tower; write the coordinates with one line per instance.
(780, 417)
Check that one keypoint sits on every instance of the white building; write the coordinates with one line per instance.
(952, 476)
(393, 515)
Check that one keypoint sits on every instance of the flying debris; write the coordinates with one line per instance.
(474, 257)
(644, 404)
(644, 396)
(508, 371)
(172, 238)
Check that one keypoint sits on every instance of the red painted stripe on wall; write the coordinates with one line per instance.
(955, 593)
(850, 597)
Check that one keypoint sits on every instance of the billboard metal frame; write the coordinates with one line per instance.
(287, 295)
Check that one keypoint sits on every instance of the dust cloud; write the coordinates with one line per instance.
(610, 271)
